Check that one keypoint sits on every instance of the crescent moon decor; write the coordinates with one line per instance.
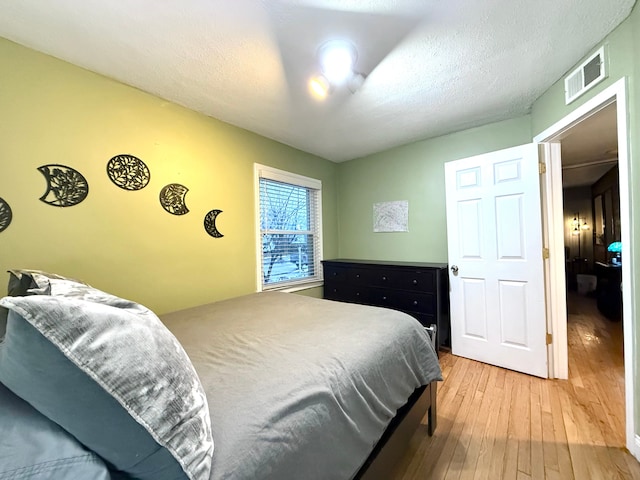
(5, 215)
(66, 186)
(128, 172)
(172, 199)
(210, 223)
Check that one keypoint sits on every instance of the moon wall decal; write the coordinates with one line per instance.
(66, 186)
(5, 215)
(210, 223)
(172, 199)
(128, 172)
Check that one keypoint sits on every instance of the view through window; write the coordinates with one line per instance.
(289, 229)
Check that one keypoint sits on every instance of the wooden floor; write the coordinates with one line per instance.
(498, 424)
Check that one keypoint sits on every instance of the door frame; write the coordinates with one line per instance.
(553, 218)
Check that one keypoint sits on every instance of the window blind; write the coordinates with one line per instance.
(290, 239)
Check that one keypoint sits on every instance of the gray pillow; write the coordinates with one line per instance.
(33, 447)
(3, 321)
(100, 356)
(18, 285)
(27, 282)
(34, 282)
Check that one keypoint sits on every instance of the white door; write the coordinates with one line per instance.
(496, 275)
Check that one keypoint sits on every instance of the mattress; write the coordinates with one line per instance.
(300, 387)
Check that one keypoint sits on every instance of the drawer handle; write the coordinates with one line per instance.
(357, 294)
(415, 302)
(384, 298)
(415, 282)
(357, 275)
(384, 278)
(335, 273)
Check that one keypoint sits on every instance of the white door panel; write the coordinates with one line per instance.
(475, 318)
(495, 239)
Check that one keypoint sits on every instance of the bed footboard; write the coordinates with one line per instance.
(393, 443)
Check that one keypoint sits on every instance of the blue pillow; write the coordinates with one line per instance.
(37, 371)
(112, 375)
(33, 447)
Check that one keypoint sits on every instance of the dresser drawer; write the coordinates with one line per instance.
(403, 300)
(334, 274)
(359, 276)
(404, 279)
(422, 281)
(345, 292)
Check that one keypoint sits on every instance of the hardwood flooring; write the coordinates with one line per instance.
(498, 424)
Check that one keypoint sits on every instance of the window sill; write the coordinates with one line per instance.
(295, 288)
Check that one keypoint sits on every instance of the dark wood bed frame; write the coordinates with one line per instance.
(394, 441)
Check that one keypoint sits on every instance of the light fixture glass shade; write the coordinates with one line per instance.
(585, 226)
(576, 231)
(337, 59)
(615, 247)
(319, 86)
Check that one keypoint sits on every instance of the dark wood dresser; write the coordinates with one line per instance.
(419, 289)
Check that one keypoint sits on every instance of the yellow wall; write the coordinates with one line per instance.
(123, 241)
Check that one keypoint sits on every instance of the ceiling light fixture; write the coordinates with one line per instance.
(319, 86)
(355, 82)
(337, 59)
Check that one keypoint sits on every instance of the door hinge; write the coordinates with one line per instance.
(549, 338)
(545, 253)
(542, 168)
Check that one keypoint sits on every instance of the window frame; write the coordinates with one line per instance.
(283, 176)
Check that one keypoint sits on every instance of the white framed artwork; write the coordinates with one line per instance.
(391, 216)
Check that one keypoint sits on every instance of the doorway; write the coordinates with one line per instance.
(591, 205)
(555, 227)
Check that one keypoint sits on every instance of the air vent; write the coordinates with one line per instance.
(586, 76)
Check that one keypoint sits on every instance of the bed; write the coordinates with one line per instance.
(269, 385)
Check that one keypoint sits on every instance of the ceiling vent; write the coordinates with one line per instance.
(586, 76)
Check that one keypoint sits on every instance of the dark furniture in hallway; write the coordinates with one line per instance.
(609, 290)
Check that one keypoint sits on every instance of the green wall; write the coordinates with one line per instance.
(123, 241)
(415, 173)
(623, 48)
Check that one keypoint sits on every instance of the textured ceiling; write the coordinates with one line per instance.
(432, 66)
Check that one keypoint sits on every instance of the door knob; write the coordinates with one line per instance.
(454, 269)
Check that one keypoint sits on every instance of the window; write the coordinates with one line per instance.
(290, 229)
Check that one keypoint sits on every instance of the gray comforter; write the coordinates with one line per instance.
(301, 388)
